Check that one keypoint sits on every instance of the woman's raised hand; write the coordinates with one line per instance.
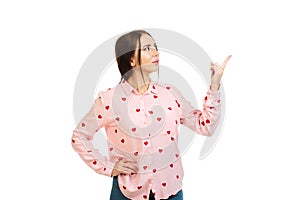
(217, 72)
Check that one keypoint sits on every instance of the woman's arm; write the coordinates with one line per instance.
(83, 135)
(202, 122)
(206, 121)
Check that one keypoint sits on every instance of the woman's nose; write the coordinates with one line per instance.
(155, 52)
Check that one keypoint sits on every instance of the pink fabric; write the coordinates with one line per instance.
(144, 127)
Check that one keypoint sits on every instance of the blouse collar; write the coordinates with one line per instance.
(152, 89)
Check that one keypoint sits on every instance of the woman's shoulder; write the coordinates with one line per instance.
(162, 85)
(108, 92)
(166, 86)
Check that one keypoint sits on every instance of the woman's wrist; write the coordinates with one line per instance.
(214, 87)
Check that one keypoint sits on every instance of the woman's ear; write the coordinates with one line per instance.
(132, 62)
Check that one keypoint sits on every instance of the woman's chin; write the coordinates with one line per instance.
(150, 69)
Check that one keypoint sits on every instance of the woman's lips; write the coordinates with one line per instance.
(156, 62)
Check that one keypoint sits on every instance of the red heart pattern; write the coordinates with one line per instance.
(150, 111)
(172, 118)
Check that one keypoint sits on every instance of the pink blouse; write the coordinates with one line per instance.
(144, 127)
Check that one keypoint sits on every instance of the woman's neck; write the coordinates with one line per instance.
(140, 84)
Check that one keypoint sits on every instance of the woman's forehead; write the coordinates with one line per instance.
(146, 39)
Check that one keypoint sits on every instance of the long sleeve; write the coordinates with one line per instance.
(83, 135)
(202, 122)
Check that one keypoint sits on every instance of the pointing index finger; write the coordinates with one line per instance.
(225, 62)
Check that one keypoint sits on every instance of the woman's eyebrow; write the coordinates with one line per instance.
(154, 44)
(147, 45)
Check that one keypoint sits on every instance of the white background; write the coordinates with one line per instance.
(43, 45)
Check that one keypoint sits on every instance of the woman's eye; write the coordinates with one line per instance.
(147, 48)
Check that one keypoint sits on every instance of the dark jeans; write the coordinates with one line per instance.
(116, 193)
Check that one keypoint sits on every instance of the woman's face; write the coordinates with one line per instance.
(149, 54)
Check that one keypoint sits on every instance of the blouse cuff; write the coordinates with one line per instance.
(107, 170)
(214, 94)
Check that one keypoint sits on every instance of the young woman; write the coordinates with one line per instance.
(141, 119)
